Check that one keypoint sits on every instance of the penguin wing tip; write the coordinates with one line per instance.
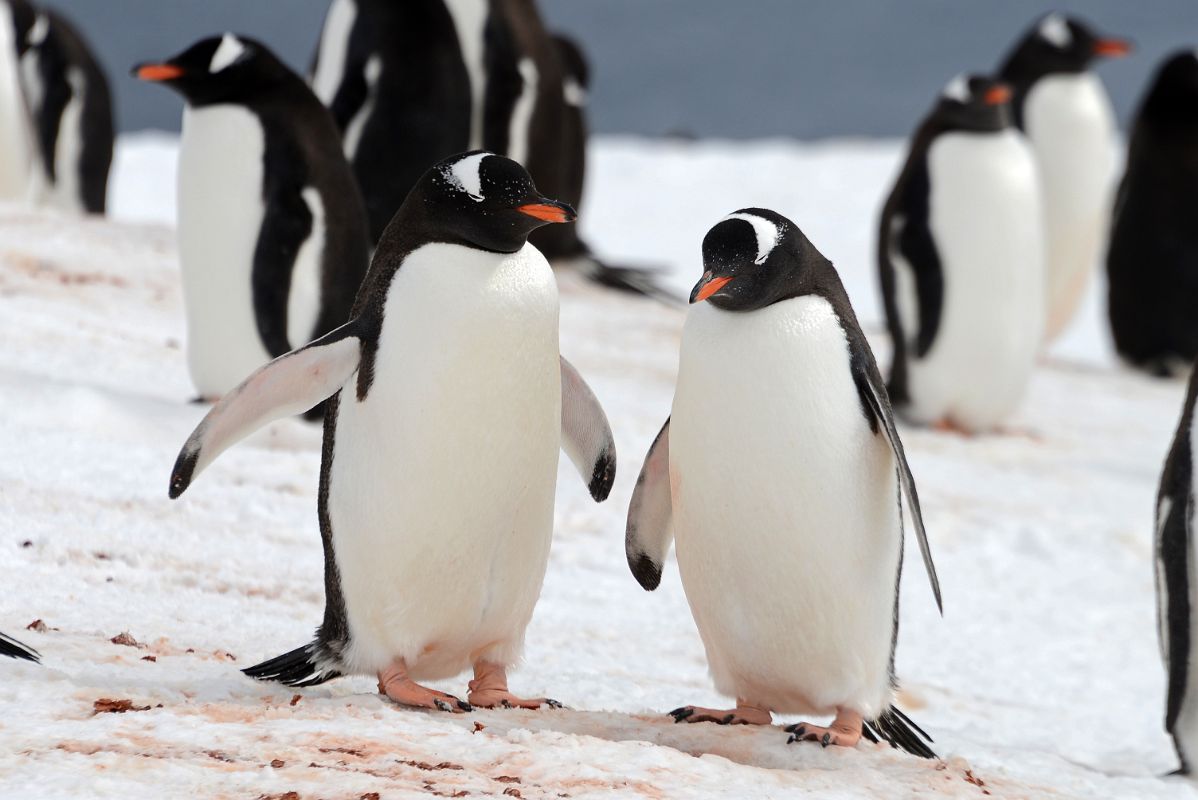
(603, 476)
(647, 573)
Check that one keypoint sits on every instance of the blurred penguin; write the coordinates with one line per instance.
(1066, 113)
(1152, 262)
(17, 149)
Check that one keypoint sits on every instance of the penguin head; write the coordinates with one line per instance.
(974, 103)
(484, 200)
(219, 69)
(1058, 43)
(1172, 102)
(754, 258)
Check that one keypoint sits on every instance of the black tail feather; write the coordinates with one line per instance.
(300, 667)
(897, 729)
(13, 649)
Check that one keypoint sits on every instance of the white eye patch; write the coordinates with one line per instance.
(768, 234)
(231, 49)
(957, 89)
(1055, 30)
(465, 176)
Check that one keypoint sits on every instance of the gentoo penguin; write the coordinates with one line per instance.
(1152, 261)
(18, 151)
(1065, 112)
(778, 474)
(442, 76)
(1176, 583)
(272, 231)
(72, 113)
(961, 262)
(13, 649)
(440, 452)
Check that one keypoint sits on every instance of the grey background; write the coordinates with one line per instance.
(746, 68)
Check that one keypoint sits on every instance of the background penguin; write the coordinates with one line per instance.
(272, 231)
(1067, 115)
(440, 452)
(13, 649)
(72, 112)
(961, 262)
(442, 76)
(1175, 584)
(778, 473)
(18, 152)
(1152, 261)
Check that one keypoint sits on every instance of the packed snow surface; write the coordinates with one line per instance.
(1042, 680)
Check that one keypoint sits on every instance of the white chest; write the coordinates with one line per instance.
(1071, 126)
(334, 48)
(469, 21)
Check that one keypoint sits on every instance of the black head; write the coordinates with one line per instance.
(219, 69)
(1057, 43)
(481, 199)
(754, 258)
(973, 103)
(1172, 102)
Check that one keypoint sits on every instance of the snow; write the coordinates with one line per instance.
(1043, 678)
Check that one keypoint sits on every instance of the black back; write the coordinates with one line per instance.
(1152, 261)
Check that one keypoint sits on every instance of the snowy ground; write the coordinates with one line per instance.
(1042, 680)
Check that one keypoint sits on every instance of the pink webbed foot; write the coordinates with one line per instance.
(395, 684)
(489, 690)
(743, 714)
(845, 730)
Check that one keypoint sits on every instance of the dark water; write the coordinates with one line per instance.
(729, 68)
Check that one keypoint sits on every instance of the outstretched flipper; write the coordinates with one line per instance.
(286, 386)
(13, 649)
(876, 405)
(648, 535)
(586, 436)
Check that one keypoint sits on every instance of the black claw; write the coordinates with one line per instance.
(441, 704)
(792, 739)
(728, 719)
(799, 730)
(504, 702)
(679, 714)
(462, 704)
(827, 740)
(549, 701)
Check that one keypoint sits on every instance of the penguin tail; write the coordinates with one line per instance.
(896, 729)
(303, 666)
(13, 649)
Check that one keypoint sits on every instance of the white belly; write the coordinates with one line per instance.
(220, 214)
(16, 135)
(442, 484)
(469, 22)
(334, 48)
(1072, 129)
(66, 192)
(986, 221)
(786, 510)
(1186, 727)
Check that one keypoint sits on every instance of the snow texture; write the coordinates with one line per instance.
(1042, 680)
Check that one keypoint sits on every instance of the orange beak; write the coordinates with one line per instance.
(157, 72)
(549, 212)
(1112, 48)
(997, 95)
(706, 290)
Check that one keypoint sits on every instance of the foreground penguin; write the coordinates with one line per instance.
(272, 232)
(449, 403)
(778, 473)
(1066, 113)
(961, 262)
(1152, 261)
(13, 649)
(1176, 583)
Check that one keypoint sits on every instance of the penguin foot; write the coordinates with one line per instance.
(395, 684)
(743, 714)
(845, 730)
(489, 690)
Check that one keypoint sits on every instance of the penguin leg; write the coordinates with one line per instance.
(745, 713)
(489, 689)
(845, 730)
(395, 683)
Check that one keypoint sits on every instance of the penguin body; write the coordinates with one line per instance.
(1175, 587)
(1152, 261)
(961, 262)
(1067, 116)
(18, 149)
(440, 452)
(272, 231)
(779, 472)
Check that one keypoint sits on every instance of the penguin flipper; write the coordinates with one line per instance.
(876, 402)
(290, 384)
(13, 649)
(649, 531)
(586, 436)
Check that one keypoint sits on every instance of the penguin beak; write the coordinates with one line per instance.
(1112, 48)
(548, 210)
(707, 286)
(997, 95)
(157, 72)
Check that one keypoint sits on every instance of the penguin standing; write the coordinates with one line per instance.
(778, 474)
(1175, 584)
(449, 403)
(18, 152)
(272, 232)
(13, 649)
(1152, 261)
(961, 262)
(72, 112)
(1065, 112)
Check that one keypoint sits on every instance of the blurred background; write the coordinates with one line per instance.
(702, 68)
